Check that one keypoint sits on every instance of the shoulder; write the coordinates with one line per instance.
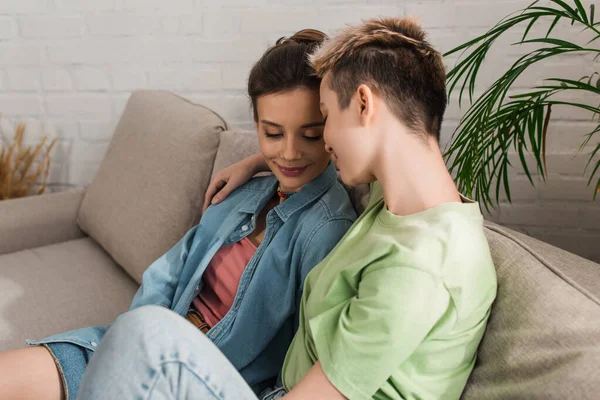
(258, 184)
(334, 204)
(250, 191)
(327, 219)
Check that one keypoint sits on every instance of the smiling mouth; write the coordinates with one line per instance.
(291, 172)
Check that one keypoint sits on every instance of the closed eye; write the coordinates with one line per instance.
(313, 138)
(273, 135)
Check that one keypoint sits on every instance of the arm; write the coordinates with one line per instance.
(160, 280)
(228, 179)
(321, 240)
(315, 385)
(379, 329)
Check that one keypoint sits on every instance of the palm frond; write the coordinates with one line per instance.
(497, 123)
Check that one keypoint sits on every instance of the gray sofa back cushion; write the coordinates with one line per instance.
(150, 187)
(543, 336)
(235, 145)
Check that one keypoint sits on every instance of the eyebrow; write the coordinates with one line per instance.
(311, 125)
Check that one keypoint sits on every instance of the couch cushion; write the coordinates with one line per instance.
(60, 287)
(35, 221)
(149, 189)
(543, 336)
(235, 145)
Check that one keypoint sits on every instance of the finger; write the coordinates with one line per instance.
(214, 186)
(222, 193)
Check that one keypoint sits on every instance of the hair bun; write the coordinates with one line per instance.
(305, 36)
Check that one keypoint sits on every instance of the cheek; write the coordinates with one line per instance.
(319, 154)
(328, 134)
(267, 148)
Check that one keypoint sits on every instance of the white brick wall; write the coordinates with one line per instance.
(67, 68)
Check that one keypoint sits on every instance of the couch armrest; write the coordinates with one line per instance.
(37, 221)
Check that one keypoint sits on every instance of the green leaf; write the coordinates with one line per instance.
(552, 25)
(598, 83)
(506, 184)
(524, 164)
(581, 9)
(592, 11)
(531, 23)
(557, 42)
(589, 78)
(564, 5)
(493, 33)
(574, 84)
(591, 158)
(578, 105)
(529, 94)
(594, 171)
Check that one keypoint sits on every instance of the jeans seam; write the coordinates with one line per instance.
(60, 371)
(152, 386)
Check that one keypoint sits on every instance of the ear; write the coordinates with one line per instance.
(366, 104)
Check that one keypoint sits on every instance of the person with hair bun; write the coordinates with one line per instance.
(236, 278)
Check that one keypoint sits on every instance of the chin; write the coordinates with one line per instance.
(291, 184)
(353, 180)
(346, 177)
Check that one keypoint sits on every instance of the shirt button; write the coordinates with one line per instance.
(94, 344)
(198, 288)
(245, 228)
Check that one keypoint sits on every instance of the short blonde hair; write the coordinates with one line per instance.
(393, 57)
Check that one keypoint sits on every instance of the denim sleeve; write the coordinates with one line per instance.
(321, 240)
(160, 280)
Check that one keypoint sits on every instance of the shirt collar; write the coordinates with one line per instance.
(309, 193)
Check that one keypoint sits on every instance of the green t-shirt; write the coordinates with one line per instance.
(398, 308)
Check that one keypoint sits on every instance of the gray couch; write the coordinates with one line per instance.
(76, 258)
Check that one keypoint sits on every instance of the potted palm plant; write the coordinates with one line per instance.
(499, 124)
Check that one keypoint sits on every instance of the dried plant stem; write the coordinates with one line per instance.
(17, 177)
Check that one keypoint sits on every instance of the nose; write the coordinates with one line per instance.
(328, 148)
(291, 149)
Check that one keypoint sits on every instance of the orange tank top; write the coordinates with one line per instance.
(221, 280)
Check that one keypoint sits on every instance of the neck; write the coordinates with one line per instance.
(413, 175)
(283, 194)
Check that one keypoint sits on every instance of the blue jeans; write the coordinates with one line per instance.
(71, 361)
(153, 353)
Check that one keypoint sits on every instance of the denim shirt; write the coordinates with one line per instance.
(258, 329)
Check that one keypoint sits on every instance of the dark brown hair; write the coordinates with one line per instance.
(285, 66)
(393, 58)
